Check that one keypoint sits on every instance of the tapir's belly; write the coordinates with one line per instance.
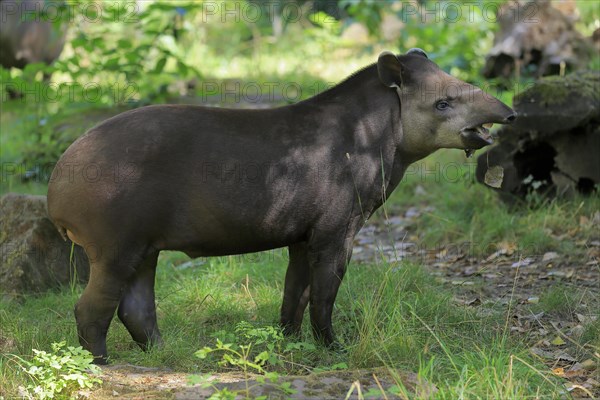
(210, 237)
(218, 219)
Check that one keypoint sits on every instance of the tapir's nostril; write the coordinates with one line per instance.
(511, 118)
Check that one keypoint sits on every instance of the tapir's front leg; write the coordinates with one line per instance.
(328, 261)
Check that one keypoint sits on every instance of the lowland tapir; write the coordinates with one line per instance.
(213, 181)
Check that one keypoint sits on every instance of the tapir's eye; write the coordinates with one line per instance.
(442, 105)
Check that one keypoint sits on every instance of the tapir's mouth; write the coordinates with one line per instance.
(477, 137)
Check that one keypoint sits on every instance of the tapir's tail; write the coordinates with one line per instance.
(63, 231)
(67, 234)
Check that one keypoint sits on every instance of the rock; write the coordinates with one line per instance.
(34, 257)
(552, 146)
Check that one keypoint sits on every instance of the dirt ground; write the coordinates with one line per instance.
(132, 382)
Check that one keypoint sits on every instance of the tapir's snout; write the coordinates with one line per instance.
(511, 117)
(488, 111)
(506, 115)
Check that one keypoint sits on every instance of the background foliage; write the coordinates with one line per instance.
(127, 53)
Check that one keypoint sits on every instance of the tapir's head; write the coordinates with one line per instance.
(438, 110)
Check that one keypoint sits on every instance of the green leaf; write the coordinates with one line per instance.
(112, 63)
(124, 44)
(98, 43)
(299, 346)
(558, 341)
(182, 69)
(339, 366)
(202, 353)
(133, 57)
(262, 357)
(79, 41)
(199, 380)
(142, 48)
(160, 65)
(374, 393)
(60, 372)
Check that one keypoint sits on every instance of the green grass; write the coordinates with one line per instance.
(559, 300)
(591, 335)
(394, 316)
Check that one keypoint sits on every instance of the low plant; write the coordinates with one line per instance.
(60, 373)
(251, 350)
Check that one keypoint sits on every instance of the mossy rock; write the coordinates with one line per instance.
(556, 89)
(557, 103)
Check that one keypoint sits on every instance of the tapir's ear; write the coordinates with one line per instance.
(389, 69)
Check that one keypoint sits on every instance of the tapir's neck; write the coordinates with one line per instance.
(369, 111)
(363, 100)
(369, 114)
(362, 91)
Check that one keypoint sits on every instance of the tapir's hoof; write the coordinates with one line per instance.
(155, 343)
(337, 347)
(100, 360)
(291, 331)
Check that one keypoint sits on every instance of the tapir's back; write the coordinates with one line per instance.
(187, 173)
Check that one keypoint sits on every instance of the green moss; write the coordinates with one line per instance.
(557, 89)
(552, 91)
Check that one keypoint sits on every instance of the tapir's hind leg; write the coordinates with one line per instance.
(96, 307)
(295, 295)
(137, 309)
